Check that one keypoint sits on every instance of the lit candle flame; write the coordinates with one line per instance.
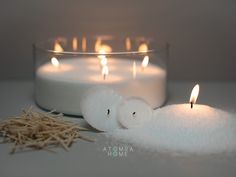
(134, 70)
(105, 71)
(128, 44)
(143, 48)
(145, 62)
(75, 43)
(55, 62)
(194, 95)
(58, 48)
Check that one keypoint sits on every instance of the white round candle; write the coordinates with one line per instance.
(99, 108)
(133, 112)
(62, 87)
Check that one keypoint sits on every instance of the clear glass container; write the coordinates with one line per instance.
(66, 68)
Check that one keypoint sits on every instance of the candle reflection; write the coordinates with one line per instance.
(75, 43)
(84, 44)
(58, 48)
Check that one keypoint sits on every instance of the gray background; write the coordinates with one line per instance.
(202, 33)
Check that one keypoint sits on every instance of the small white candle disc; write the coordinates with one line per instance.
(133, 112)
(99, 108)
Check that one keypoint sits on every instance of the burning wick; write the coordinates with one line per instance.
(105, 71)
(145, 62)
(194, 95)
(55, 62)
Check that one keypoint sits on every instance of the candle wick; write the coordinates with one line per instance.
(134, 114)
(191, 105)
(108, 112)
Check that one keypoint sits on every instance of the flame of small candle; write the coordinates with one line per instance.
(134, 70)
(145, 62)
(105, 71)
(75, 43)
(194, 95)
(58, 48)
(143, 48)
(55, 62)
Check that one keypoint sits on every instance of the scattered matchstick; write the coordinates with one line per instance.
(38, 130)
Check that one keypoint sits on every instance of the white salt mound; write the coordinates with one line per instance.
(177, 128)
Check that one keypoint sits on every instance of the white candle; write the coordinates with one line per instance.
(99, 108)
(133, 112)
(62, 88)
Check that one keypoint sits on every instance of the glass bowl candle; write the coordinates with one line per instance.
(65, 68)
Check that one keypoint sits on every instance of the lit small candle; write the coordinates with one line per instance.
(178, 128)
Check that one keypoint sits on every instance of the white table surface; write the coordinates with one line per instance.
(89, 159)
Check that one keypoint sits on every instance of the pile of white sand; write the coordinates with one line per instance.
(171, 129)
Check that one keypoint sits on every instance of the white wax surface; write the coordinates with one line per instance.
(133, 112)
(99, 108)
(177, 128)
(62, 88)
(89, 71)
